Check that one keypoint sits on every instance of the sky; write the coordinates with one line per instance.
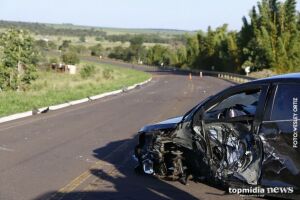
(166, 14)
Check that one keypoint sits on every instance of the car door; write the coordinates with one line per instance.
(279, 132)
(230, 122)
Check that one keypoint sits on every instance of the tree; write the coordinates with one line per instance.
(181, 56)
(217, 49)
(192, 50)
(18, 59)
(65, 45)
(70, 57)
(273, 37)
(136, 48)
(118, 52)
(159, 54)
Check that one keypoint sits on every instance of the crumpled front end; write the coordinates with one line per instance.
(159, 155)
(235, 153)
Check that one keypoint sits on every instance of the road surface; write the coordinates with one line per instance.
(84, 151)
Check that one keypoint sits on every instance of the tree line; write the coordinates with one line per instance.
(147, 38)
(43, 29)
(269, 39)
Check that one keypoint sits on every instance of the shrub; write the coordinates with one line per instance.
(108, 73)
(65, 45)
(53, 60)
(87, 71)
(82, 38)
(96, 50)
(70, 58)
(4, 78)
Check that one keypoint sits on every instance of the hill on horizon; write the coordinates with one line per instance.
(109, 30)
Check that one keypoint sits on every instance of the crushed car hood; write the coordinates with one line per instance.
(167, 124)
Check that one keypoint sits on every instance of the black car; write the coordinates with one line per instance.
(247, 134)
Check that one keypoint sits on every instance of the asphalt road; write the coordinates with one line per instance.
(84, 151)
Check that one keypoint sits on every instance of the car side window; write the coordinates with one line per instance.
(236, 105)
(286, 102)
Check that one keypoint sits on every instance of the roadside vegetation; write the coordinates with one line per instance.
(54, 88)
(268, 43)
(30, 79)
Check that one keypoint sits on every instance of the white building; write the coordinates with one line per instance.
(71, 69)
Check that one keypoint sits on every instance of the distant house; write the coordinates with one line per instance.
(71, 69)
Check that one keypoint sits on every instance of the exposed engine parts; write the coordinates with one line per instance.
(232, 154)
(162, 158)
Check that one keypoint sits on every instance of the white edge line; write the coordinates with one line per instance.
(15, 116)
(60, 106)
(105, 94)
(78, 101)
(64, 105)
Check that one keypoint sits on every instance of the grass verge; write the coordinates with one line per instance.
(54, 88)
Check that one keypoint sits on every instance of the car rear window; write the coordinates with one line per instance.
(286, 102)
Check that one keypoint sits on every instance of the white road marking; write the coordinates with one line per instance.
(6, 149)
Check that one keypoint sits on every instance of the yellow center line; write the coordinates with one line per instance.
(76, 182)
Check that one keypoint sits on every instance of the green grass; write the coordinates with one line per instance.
(54, 88)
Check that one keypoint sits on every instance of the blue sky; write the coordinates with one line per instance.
(174, 14)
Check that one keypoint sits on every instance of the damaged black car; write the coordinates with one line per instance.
(247, 134)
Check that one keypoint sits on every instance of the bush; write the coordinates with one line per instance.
(99, 39)
(29, 75)
(87, 71)
(79, 49)
(53, 60)
(70, 58)
(96, 50)
(4, 78)
(119, 52)
(108, 73)
(82, 38)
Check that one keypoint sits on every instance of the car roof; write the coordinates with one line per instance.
(283, 78)
(292, 77)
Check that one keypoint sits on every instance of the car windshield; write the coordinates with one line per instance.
(242, 104)
(189, 113)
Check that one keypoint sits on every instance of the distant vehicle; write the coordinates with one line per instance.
(247, 134)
